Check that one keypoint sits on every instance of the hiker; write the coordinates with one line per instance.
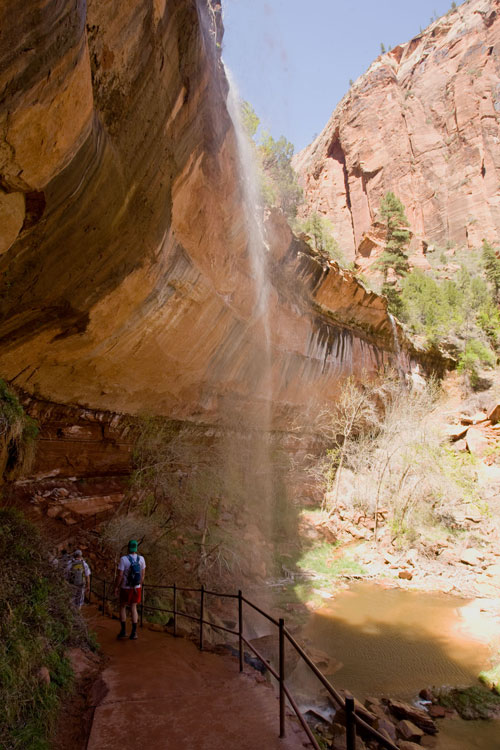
(130, 577)
(78, 576)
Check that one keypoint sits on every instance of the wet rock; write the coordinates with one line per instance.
(408, 730)
(386, 727)
(437, 712)
(418, 716)
(426, 694)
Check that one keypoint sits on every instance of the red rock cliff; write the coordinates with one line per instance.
(125, 279)
(423, 121)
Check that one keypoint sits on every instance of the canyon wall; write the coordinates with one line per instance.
(125, 279)
(423, 122)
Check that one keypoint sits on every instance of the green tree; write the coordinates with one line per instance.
(395, 254)
(491, 266)
(276, 160)
(249, 118)
(320, 229)
(382, 48)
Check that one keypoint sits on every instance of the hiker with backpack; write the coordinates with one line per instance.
(77, 574)
(130, 577)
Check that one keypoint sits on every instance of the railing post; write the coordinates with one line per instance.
(282, 675)
(202, 601)
(175, 611)
(350, 724)
(103, 597)
(240, 628)
(143, 594)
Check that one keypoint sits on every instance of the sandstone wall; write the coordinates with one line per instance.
(125, 279)
(423, 121)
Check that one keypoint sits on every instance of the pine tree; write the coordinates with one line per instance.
(491, 265)
(382, 48)
(398, 235)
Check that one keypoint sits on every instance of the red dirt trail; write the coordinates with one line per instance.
(163, 694)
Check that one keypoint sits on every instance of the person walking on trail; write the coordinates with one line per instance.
(78, 576)
(130, 577)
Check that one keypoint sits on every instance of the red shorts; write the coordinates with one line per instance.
(130, 596)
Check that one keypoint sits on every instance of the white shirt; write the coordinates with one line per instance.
(124, 565)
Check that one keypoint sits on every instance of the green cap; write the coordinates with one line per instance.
(132, 546)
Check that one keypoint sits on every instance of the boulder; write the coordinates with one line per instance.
(405, 574)
(477, 442)
(471, 556)
(494, 413)
(418, 716)
(455, 432)
(437, 712)
(386, 727)
(408, 730)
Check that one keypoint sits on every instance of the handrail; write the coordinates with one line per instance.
(347, 703)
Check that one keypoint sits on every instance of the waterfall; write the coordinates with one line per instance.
(258, 250)
(397, 347)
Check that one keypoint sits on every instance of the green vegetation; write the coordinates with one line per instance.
(37, 624)
(491, 266)
(470, 703)
(320, 229)
(461, 313)
(17, 434)
(395, 255)
(279, 184)
(491, 678)
(321, 561)
(382, 48)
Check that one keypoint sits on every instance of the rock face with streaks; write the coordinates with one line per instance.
(126, 284)
(424, 122)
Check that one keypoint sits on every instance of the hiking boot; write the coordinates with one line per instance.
(133, 634)
(122, 634)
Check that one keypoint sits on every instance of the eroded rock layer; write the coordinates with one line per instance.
(423, 121)
(125, 277)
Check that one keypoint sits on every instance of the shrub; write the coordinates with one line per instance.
(37, 624)
(395, 460)
(320, 229)
(17, 434)
(279, 186)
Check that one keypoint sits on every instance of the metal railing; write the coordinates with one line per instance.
(356, 716)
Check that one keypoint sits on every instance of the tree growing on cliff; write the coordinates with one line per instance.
(279, 186)
(491, 266)
(320, 230)
(395, 255)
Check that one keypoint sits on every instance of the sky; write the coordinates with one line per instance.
(292, 59)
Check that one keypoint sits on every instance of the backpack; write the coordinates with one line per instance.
(77, 573)
(134, 573)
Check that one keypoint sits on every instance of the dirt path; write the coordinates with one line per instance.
(163, 694)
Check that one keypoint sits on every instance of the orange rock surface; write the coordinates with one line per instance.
(423, 121)
(125, 277)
